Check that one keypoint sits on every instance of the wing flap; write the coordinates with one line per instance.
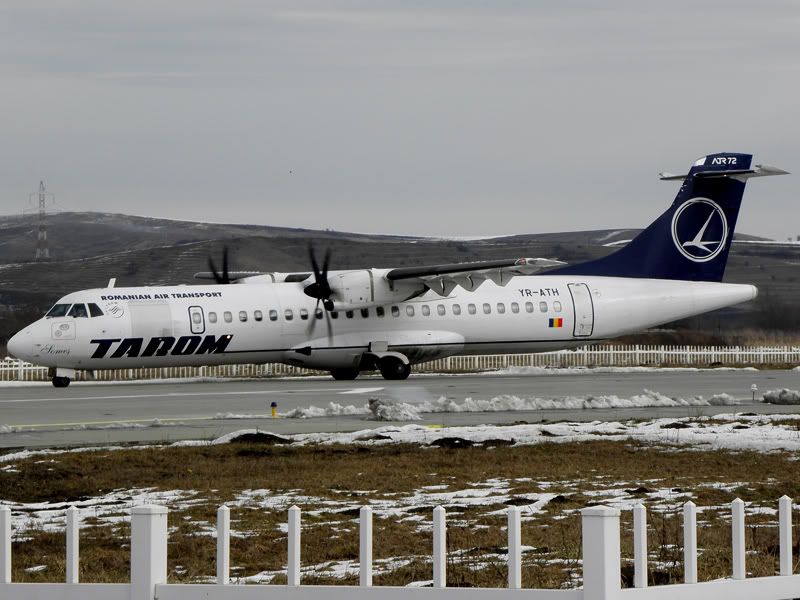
(443, 279)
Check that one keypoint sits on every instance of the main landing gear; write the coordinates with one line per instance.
(344, 374)
(391, 367)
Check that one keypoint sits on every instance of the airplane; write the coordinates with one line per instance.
(350, 321)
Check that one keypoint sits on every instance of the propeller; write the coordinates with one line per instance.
(223, 277)
(321, 290)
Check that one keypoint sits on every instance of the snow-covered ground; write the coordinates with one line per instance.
(537, 499)
(724, 432)
(382, 410)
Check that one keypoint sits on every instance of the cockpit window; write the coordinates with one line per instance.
(94, 310)
(59, 310)
(78, 310)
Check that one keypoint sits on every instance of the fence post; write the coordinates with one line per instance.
(689, 542)
(737, 538)
(73, 537)
(148, 550)
(785, 505)
(223, 545)
(5, 544)
(601, 559)
(439, 548)
(365, 537)
(293, 568)
(514, 548)
(639, 546)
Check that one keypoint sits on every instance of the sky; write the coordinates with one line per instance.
(428, 118)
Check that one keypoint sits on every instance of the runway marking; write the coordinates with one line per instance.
(178, 420)
(362, 391)
(304, 392)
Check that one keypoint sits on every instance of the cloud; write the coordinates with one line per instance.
(468, 118)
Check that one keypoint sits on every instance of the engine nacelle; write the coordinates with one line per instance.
(369, 287)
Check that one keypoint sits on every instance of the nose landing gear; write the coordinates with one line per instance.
(62, 376)
(60, 382)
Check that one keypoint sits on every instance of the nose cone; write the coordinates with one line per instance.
(18, 344)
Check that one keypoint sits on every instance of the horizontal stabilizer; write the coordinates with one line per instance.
(738, 174)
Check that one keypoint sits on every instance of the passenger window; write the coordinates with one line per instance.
(543, 306)
(514, 307)
(59, 310)
(501, 308)
(227, 316)
(471, 309)
(557, 306)
(197, 318)
(273, 315)
(380, 312)
(258, 315)
(487, 308)
(456, 309)
(529, 307)
(365, 312)
(288, 314)
(318, 313)
(349, 314)
(395, 311)
(426, 310)
(212, 317)
(94, 310)
(78, 311)
(242, 316)
(334, 314)
(441, 310)
(410, 310)
(304, 314)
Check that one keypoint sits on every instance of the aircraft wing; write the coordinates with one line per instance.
(442, 279)
(233, 275)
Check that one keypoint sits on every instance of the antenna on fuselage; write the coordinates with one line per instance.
(112, 282)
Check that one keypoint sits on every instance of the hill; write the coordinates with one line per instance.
(90, 248)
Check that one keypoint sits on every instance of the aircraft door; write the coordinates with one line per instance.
(583, 309)
(197, 321)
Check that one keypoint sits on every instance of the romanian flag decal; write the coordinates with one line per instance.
(557, 322)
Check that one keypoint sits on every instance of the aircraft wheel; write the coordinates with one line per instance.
(393, 368)
(60, 382)
(344, 374)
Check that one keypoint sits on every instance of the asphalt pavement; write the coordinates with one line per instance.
(36, 415)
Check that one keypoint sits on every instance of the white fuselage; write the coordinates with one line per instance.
(220, 324)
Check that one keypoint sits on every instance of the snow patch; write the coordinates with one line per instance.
(782, 396)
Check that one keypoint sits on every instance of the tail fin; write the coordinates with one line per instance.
(691, 240)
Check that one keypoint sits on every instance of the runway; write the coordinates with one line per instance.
(91, 413)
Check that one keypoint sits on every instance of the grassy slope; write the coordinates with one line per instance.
(576, 472)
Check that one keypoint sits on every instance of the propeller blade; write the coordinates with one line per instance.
(326, 261)
(330, 327)
(313, 323)
(320, 288)
(225, 276)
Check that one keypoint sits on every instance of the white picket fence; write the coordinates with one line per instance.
(601, 564)
(587, 356)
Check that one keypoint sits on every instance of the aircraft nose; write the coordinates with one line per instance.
(18, 343)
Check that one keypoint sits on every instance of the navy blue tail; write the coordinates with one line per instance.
(691, 240)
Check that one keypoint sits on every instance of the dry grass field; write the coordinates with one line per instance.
(403, 483)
